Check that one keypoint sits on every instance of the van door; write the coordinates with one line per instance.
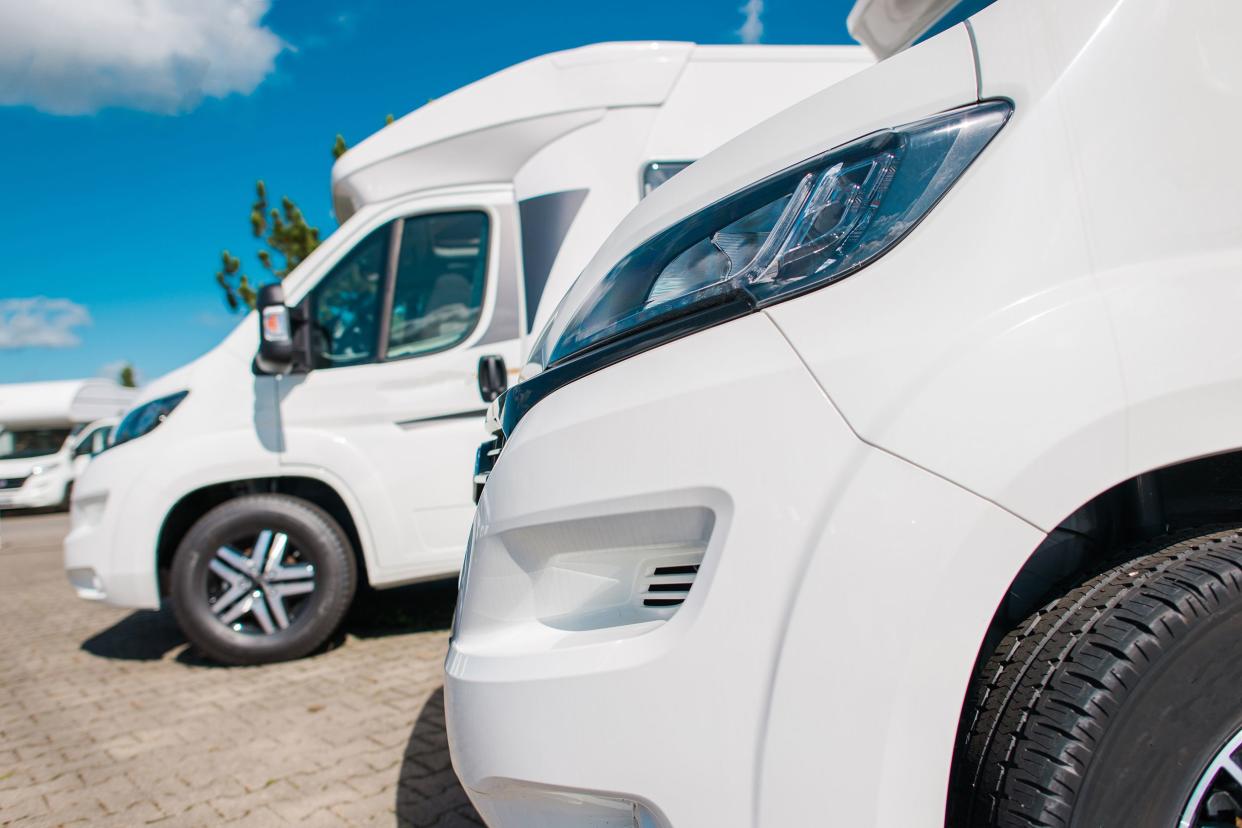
(88, 446)
(391, 407)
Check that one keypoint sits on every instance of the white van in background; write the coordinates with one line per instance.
(90, 441)
(43, 426)
(342, 450)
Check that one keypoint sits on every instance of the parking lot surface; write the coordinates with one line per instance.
(107, 717)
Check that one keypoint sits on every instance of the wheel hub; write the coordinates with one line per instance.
(1216, 798)
(263, 590)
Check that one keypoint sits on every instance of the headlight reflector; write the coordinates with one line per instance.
(798, 230)
(143, 419)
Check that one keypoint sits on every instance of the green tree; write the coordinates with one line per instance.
(284, 232)
(126, 376)
(339, 148)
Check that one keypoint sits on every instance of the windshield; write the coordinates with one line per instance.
(19, 444)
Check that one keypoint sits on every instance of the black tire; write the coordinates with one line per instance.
(1106, 707)
(318, 539)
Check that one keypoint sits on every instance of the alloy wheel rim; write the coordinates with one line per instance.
(259, 586)
(1217, 798)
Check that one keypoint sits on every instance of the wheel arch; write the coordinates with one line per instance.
(1202, 491)
(194, 504)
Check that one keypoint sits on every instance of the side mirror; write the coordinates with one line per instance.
(493, 377)
(275, 354)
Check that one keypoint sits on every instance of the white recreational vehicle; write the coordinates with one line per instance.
(336, 445)
(47, 431)
(885, 467)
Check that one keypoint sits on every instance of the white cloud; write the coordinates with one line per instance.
(40, 322)
(752, 28)
(75, 57)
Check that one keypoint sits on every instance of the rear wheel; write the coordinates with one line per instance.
(1119, 704)
(262, 578)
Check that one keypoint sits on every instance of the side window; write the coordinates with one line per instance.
(86, 446)
(101, 439)
(440, 282)
(345, 305)
(546, 220)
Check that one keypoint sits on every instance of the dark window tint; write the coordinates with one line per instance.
(441, 276)
(345, 306)
(93, 443)
(32, 442)
(658, 172)
(86, 445)
(545, 221)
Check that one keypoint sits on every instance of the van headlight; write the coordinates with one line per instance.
(144, 419)
(796, 231)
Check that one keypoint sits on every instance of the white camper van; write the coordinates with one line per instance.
(43, 426)
(924, 510)
(336, 446)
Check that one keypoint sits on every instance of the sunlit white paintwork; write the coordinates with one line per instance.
(1059, 323)
(589, 118)
(58, 404)
(90, 441)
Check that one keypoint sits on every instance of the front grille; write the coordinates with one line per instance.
(668, 586)
(484, 460)
(11, 482)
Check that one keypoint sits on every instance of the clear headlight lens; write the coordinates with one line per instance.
(796, 231)
(143, 419)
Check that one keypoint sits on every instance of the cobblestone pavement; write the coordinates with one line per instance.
(107, 717)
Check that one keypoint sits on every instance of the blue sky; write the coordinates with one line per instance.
(123, 212)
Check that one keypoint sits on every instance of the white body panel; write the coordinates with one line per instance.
(1056, 325)
(395, 439)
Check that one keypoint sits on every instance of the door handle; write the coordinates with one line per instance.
(493, 377)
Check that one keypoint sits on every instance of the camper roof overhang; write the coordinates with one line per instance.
(486, 131)
(62, 403)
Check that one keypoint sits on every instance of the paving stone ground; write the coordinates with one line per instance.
(108, 718)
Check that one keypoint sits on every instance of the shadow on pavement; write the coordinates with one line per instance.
(428, 792)
(144, 635)
(149, 635)
(416, 608)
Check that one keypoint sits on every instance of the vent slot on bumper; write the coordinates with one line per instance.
(667, 586)
(593, 573)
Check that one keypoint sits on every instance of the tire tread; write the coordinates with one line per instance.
(1040, 705)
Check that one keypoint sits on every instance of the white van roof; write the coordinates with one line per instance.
(486, 131)
(888, 26)
(62, 403)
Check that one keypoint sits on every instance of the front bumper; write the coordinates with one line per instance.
(579, 690)
(104, 561)
(36, 492)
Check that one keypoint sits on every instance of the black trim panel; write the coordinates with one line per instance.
(546, 220)
(458, 415)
